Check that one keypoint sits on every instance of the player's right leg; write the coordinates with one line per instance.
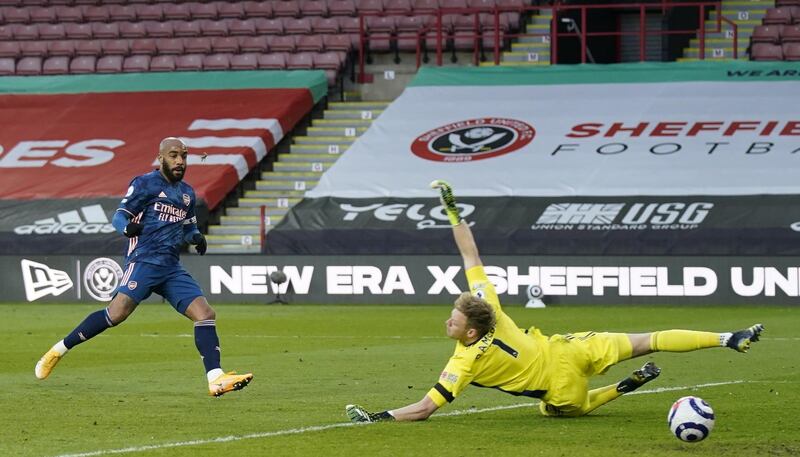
(691, 340)
(94, 324)
(132, 290)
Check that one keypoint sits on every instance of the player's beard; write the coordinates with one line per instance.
(170, 175)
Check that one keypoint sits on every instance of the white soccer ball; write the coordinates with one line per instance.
(691, 419)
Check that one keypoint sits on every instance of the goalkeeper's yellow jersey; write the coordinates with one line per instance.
(507, 358)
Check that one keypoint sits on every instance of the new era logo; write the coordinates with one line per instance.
(41, 280)
(580, 213)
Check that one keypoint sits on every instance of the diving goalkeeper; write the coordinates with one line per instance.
(491, 351)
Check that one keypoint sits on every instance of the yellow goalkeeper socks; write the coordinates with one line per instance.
(684, 340)
(601, 396)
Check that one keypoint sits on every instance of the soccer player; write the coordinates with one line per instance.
(157, 215)
(491, 351)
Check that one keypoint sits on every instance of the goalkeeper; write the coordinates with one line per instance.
(491, 351)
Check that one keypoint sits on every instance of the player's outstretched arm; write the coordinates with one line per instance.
(461, 231)
(420, 410)
(122, 223)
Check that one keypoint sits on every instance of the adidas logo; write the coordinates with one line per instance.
(93, 221)
(41, 280)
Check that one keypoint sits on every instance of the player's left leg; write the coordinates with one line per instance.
(691, 340)
(600, 396)
(187, 298)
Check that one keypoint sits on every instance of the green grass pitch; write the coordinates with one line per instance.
(139, 389)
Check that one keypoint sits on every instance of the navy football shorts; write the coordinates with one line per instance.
(173, 283)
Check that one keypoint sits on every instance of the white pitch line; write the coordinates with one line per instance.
(319, 428)
(306, 337)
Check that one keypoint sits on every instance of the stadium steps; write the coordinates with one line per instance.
(719, 45)
(533, 49)
(295, 172)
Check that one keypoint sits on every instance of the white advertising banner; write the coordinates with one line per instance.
(656, 136)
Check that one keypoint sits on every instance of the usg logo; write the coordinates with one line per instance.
(473, 139)
(623, 216)
(94, 220)
(101, 278)
(41, 280)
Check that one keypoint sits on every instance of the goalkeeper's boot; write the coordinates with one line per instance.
(228, 382)
(46, 364)
(740, 341)
(639, 378)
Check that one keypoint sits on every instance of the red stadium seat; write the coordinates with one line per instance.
(244, 62)
(177, 12)
(766, 52)
(341, 7)
(115, 47)
(257, 9)
(266, 26)
(17, 15)
(145, 46)
(88, 48)
(369, 6)
(282, 43)
(314, 8)
(51, 31)
(398, 7)
(233, 10)
(337, 43)
(78, 31)
(158, 29)
(189, 62)
(766, 34)
(324, 25)
(223, 45)
(136, 64)
(297, 26)
(69, 13)
(25, 31)
(217, 62)
(56, 66)
(286, 8)
(61, 48)
(241, 27)
(132, 30)
(96, 13)
(791, 51)
(43, 14)
(203, 10)
(119, 13)
(33, 48)
(300, 61)
(7, 67)
(10, 49)
(162, 63)
(170, 46)
(214, 28)
(149, 12)
(29, 66)
(778, 16)
(105, 30)
(186, 28)
(349, 24)
(381, 24)
(310, 43)
(272, 61)
(82, 64)
(327, 61)
(789, 34)
(6, 33)
(109, 64)
(424, 6)
(199, 45)
(256, 44)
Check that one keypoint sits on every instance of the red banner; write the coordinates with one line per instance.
(92, 145)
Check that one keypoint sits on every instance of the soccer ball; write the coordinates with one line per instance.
(691, 419)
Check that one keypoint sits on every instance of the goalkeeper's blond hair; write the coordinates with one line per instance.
(480, 314)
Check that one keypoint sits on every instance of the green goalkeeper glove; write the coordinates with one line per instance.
(359, 414)
(448, 200)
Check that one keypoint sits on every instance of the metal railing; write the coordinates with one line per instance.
(559, 11)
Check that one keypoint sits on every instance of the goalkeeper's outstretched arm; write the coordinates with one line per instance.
(418, 411)
(461, 231)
